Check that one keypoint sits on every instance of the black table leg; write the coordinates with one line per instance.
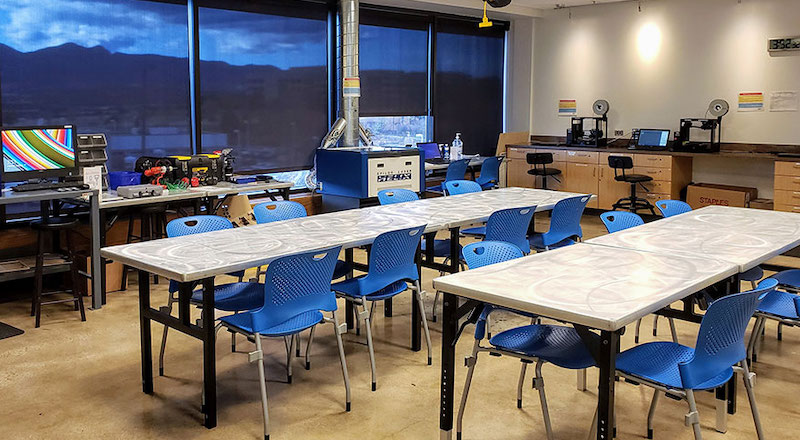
(350, 311)
(209, 364)
(607, 363)
(455, 251)
(449, 334)
(103, 261)
(387, 308)
(146, 337)
(416, 317)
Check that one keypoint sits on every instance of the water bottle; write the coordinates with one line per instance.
(457, 150)
(446, 152)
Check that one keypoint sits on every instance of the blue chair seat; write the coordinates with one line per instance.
(441, 248)
(435, 188)
(537, 242)
(487, 185)
(754, 274)
(291, 326)
(790, 278)
(558, 345)
(234, 297)
(658, 362)
(780, 304)
(352, 288)
(479, 231)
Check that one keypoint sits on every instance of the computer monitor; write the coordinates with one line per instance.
(38, 152)
(431, 150)
(653, 138)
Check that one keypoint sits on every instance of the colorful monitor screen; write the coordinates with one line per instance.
(38, 149)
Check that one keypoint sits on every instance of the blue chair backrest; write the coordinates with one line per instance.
(456, 170)
(276, 211)
(490, 169)
(455, 187)
(297, 284)
(620, 220)
(566, 220)
(511, 226)
(390, 196)
(392, 258)
(484, 253)
(669, 208)
(197, 224)
(720, 341)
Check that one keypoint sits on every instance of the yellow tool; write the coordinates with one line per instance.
(485, 23)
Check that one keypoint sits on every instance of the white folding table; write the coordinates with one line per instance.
(592, 287)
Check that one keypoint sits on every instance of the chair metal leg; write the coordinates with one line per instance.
(368, 325)
(258, 356)
(471, 362)
(522, 370)
(672, 330)
(651, 413)
(721, 407)
(435, 301)
(755, 335)
(170, 302)
(582, 380)
(297, 346)
(693, 419)
(338, 331)
(538, 384)
(289, 352)
(636, 334)
(780, 331)
(308, 347)
(655, 325)
(751, 396)
(418, 295)
(233, 342)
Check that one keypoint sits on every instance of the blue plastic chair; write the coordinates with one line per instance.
(615, 221)
(490, 172)
(565, 225)
(669, 208)
(232, 297)
(509, 225)
(296, 293)
(455, 171)
(441, 248)
(276, 211)
(535, 343)
(286, 210)
(392, 267)
(781, 305)
(679, 370)
(456, 187)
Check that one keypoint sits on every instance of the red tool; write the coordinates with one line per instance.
(156, 174)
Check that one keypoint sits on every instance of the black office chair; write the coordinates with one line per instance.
(632, 203)
(540, 162)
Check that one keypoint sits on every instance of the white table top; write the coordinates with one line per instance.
(195, 257)
(597, 286)
(227, 188)
(111, 200)
(474, 161)
(466, 209)
(745, 237)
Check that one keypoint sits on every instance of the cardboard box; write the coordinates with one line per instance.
(767, 204)
(113, 276)
(699, 195)
(238, 210)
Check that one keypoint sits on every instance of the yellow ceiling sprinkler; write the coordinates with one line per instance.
(495, 4)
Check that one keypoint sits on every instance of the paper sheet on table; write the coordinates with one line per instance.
(784, 101)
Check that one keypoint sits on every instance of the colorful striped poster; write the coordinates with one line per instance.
(751, 101)
(567, 107)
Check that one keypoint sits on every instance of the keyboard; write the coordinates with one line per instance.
(437, 161)
(25, 187)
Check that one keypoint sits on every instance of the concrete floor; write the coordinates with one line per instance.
(73, 380)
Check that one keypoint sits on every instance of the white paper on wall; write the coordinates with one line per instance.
(787, 101)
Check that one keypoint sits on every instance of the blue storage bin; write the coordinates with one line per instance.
(123, 178)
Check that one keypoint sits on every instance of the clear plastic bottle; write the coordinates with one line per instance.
(446, 152)
(457, 150)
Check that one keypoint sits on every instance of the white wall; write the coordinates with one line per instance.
(519, 74)
(708, 49)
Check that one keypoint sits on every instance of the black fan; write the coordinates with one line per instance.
(498, 3)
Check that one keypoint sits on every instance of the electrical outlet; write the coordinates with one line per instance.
(619, 132)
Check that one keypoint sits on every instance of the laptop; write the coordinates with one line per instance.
(650, 139)
(432, 153)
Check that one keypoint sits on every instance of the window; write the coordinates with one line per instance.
(264, 82)
(468, 95)
(398, 131)
(106, 66)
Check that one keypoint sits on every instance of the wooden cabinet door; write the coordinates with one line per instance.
(583, 178)
(517, 173)
(610, 191)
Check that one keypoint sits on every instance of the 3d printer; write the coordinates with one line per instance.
(579, 136)
(688, 143)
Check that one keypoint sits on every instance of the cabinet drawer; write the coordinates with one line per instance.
(789, 183)
(659, 187)
(604, 157)
(582, 157)
(787, 168)
(518, 153)
(558, 155)
(652, 161)
(783, 197)
(787, 208)
(658, 174)
(654, 197)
